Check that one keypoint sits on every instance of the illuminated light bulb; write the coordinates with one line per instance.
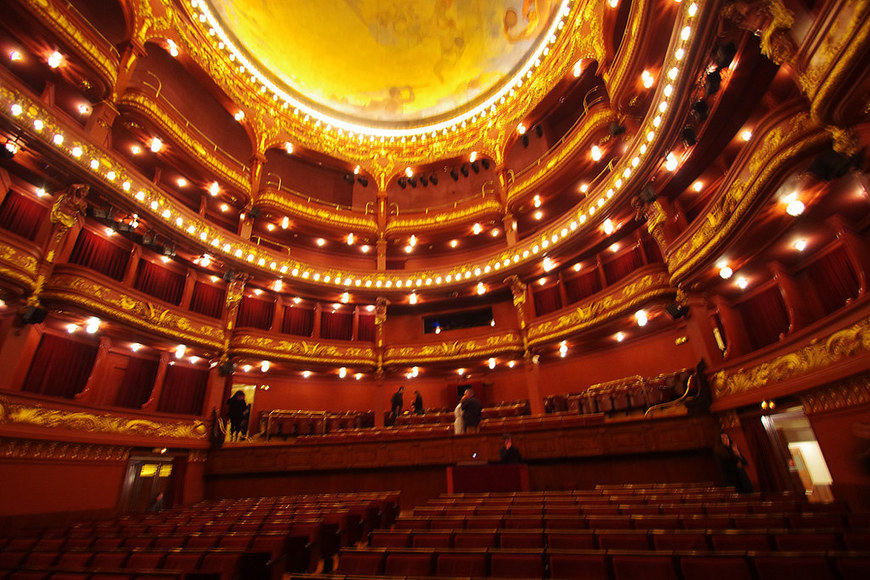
(800, 245)
(620, 336)
(477, 228)
(608, 227)
(537, 201)
(548, 264)
(412, 298)
(55, 59)
(345, 298)
(364, 248)
(495, 232)
(246, 368)
(595, 153)
(72, 328)
(109, 231)
(38, 125)
(180, 350)
(164, 259)
(224, 207)
(173, 48)
(408, 249)
(265, 365)
(58, 139)
(350, 239)
(698, 186)
(356, 170)
(521, 129)
(306, 374)
(285, 223)
(156, 145)
(93, 325)
(491, 363)
(647, 79)
(742, 283)
(511, 364)
(481, 289)
(14, 55)
(239, 115)
(673, 73)
(614, 248)
(584, 188)
(320, 242)
(725, 272)
(538, 215)
(40, 192)
(614, 3)
(686, 32)
(671, 162)
(412, 241)
(214, 189)
(409, 172)
(473, 156)
(746, 135)
(795, 208)
(182, 182)
(641, 317)
(17, 110)
(454, 243)
(460, 372)
(358, 376)
(288, 147)
(135, 347)
(693, 9)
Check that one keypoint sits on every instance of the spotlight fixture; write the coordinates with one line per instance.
(539, 131)
(475, 167)
(688, 138)
(9, 149)
(700, 111)
(413, 182)
(464, 170)
(454, 175)
(424, 181)
(485, 163)
(616, 129)
(525, 140)
(433, 180)
(403, 182)
(363, 181)
(255, 212)
(724, 54)
(348, 177)
(713, 83)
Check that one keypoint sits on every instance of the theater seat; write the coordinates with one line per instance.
(505, 565)
(578, 566)
(409, 564)
(715, 568)
(461, 565)
(360, 563)
(793, 566)
(643, 567)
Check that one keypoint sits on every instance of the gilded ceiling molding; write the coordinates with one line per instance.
(594, 312)
(842, 50)
(182, 135)
(103, 60)
(615, 76)
(416, 222)
(727, 213)
(577, 140)
(508, 343)
(841, 395)
(59, 450)
(820, 353)
(137, 311)
(300, 207)
(18, 266)
(309, 350)
(33, 414)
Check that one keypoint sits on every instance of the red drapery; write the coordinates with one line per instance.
(60, 367)
(833, 279)
(336, 325)
(653, 252)
(547, 300)
(366, 328)
(298, 321)
(183, 390)
(622, 266)
(96, 253)
(255, 313)
(764, 316)
(137, 383)
(21, 215)
(159, 282)
(583, 286)
(207, 300)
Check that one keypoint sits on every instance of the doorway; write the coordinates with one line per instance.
(806, 463)
(147, 476)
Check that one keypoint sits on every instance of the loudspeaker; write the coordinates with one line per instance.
(616, 129)
(676, 311)
(33, 315)
(255, 212)
(227, 368)
(829, 165)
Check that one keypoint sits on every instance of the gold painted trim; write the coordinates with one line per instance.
(509, 343)
(299, 207)
(842, 395)
(314, 351)
(17, 266)
(61, 450)
(425, 222)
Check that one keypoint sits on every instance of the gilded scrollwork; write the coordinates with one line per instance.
(32, 449)
(302, 349)
(421, 222)
(819, 353)
(18, 266)
(297, 206)
(509, 342)
(841, 395)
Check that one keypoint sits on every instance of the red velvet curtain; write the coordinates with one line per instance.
(583, 286)
(60, 367)
(366, 328)
(138, 382)
(207, 300)
(336, 325)
(652, 250)
(547, 300)
(254, 313)
(21, 215)
(159, 282)
(834, 279)
(623, 265)
(298, 321)
(764, 316)
(96, 253)
(183, 390)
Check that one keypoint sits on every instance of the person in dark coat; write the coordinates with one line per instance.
(238, 407)
(396, 404)
(509, 453)
(471, 409)
(418, 403)
(732, 464)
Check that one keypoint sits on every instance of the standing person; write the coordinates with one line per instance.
(458, 425)
(509, 453)
(157, 504)
(396, 404)
(731, 464)
(418, 403)
(471, 409)
(237, 409)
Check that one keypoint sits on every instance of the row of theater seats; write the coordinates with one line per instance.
(255, 538)
(623, 395)
(286, 423)
(600, 565)
(446, 416)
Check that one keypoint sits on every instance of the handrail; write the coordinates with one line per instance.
(87, 22)
(689, 382)
(307, 198)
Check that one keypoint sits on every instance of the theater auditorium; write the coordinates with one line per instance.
(257, 257)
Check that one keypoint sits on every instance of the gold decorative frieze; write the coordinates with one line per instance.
(818, 354)
(728, 212)
(300, 207)
(616, 76)
(844, 394)
(36, 415)
(187, 139)
(416, 222)
(17, 265)
(59, 450)
(64, 288)
(474, 348)
(301, 349)
(597, 311)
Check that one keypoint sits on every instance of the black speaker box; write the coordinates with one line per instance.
(34, 315)
(676, 311)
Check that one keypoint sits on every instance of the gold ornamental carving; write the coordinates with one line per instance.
(59, 450)
(36, 415)
(69, 205)
(818, 354)
(17, 266)
(306, 350)
(509, 342)
(597, 311)
(298, 206)
(415, 222)
(847, 393)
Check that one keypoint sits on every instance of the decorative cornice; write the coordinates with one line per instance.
(36, 415)
(137, 311)
(596, 311)
(312, 351)
(299, 207)
(509, 343)
(18, 266)
(59, 450)
(848, 393)
(438, 219)
(818, 354)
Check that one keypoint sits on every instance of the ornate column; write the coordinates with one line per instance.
(381, 304)
(132, 266)
(318, 316)
(381, 243)
(508, 220)
(855, 249)
(519, 292)
(151, 404)
(187, 291)
(104, 113)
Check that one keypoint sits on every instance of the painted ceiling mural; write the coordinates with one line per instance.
(389, 62)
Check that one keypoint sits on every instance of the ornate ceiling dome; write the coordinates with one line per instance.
(389, 63)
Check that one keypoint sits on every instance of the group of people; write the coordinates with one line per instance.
(397, 403)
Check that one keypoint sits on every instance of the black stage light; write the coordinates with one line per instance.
(454, 175)
(363, 181)
(724, 55)
(687, 136)
(616, 129)
(33, 315)
(485, 163)
(424, 181)
(713, 83)
(647, 194)
(255, 212)
(464, 170)
(348, 177)
(403, 182)
(829, 165)
(228, 276)
(433, 180)
(412, 181)
(676, 310)
(476, 167)
(700, 111)
(525, 140)
(539, 131)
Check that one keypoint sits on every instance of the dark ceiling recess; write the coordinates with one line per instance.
(455, 320)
